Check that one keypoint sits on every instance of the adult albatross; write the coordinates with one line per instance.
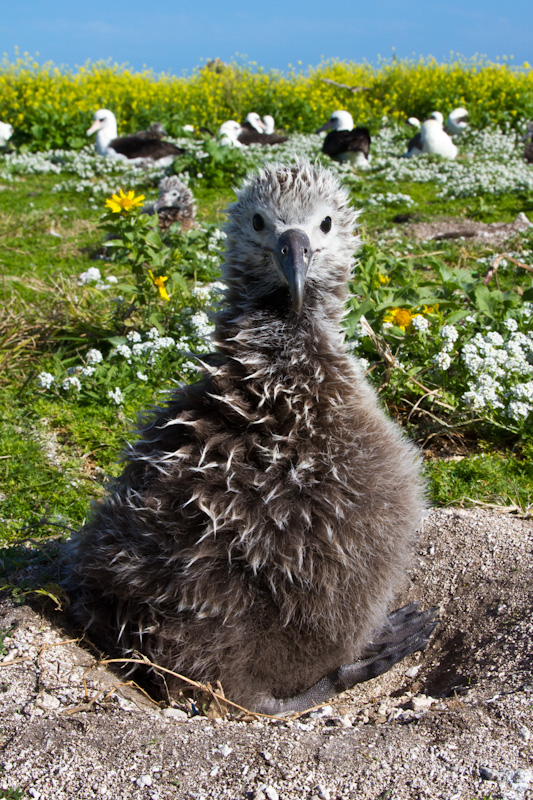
(143, 145)
(253, 130)
(267, 513)
(344, 142)
(431, 138)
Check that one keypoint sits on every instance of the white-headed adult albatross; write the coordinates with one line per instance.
(143, 145)
(344, 142)
(457, 121)
(253, 130)
(6, 132)
(431, 138)
(267, 513)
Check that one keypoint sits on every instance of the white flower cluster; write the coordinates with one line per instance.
(94, 276)
(495, 164)
(149, 349)
(116, 395)
(449, 336)
(71, 383)
(45, 380)
(501, 370)
(442, 360)
(93, 173)
(94, 356)
(203, 326)
(390, 199)
(420, 323)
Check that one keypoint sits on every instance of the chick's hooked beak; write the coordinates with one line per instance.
(294, 253)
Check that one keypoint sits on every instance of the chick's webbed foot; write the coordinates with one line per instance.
(406, 631)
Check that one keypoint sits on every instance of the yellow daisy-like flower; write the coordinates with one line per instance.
(401, 317)
(383, 279)
(159, 281)
(123, 203)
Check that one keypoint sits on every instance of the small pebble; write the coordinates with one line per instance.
(412, 672)
(174, 713)
(323, 711)
(519, 779)
(144, 780)
(322, 792)
(420, 702)
(47, 702)
(524, 733)
(225, 749)
(488, 774)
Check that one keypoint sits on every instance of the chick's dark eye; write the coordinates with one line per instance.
(258, 222)
(325, 225)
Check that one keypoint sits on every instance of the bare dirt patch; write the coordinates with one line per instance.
(492, 233)
(453, 722)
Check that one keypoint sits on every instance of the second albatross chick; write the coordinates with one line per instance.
(266, 515)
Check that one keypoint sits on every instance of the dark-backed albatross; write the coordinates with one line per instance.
(143, 145)
(344, 142)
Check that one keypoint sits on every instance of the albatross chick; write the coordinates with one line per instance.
(266, 515)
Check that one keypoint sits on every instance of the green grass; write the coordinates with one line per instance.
(495, 479)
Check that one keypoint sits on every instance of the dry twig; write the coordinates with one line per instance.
(496, 263)
(352, 89)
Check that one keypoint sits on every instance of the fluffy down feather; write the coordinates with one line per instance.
(265, 517)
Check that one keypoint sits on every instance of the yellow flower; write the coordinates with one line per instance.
(383, 279)
(159, 281)
(401, 317)
(122, 203)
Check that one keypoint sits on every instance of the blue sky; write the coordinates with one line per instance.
(172, 37)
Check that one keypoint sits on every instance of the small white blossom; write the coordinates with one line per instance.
(140, 348)
(72, 382)
(494, 338)
(90, 276)
(203, 325)
(122, 350)
(141, 376)
(511, 324)
(94, 356)
(518, 410)
(420, 323)
(115, 395)
(449, 333)
(45, 380)
(442, 360)
(134, 336)
(87, 372)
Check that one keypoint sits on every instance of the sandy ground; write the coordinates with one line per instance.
(454, 722)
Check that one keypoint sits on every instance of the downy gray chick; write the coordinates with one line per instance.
(266, 515)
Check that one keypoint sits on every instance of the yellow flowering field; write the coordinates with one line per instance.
(53, 107)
